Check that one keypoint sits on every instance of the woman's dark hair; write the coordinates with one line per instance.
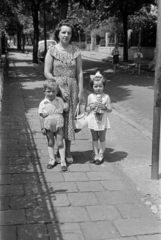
(58, 28)
(97, 79)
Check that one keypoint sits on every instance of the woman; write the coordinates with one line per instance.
(63, 62)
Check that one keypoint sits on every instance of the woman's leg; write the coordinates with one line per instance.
(61, 146)
(68, 154)
(102, 135)
(50, 138)
(95, 138)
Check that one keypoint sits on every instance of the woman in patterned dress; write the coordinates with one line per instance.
(63, 63)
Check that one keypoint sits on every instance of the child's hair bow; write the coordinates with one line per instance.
(96, 76)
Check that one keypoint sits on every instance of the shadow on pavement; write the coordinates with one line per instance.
(28, 199)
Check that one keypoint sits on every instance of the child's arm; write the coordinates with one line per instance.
(107, 106)
(41, 118)
(66, 106)
(90, 106)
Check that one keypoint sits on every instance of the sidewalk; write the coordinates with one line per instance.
(88, 202)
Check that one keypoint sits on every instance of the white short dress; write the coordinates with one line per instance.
(92, 121)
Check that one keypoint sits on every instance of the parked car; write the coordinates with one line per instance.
(41, 48)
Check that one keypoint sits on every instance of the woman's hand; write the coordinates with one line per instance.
(43, 131)
(65, 94)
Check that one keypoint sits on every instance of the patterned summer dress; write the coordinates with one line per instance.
(64, 71)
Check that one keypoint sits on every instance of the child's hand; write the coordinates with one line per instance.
(102, 106)
(93, 106)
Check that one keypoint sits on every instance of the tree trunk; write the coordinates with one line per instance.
(36, 34)
(19, 41)
(63, 9)
(125, 51)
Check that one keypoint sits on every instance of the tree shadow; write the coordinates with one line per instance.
(29, 196)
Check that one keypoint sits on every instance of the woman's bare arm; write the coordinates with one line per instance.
(48, 66)
(79, 73)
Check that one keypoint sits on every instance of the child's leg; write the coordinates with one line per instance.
(139, 68)
(95, 138)
(102, 135)
(50, 138)
(114, 68)
(61, 146)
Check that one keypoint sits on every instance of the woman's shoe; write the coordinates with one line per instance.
(51, 165)
(64, 168)
(69, 160)
(99, 162)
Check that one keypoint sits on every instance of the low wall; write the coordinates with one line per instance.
(148, 52)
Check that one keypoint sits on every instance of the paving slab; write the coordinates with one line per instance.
(64, 187)
(37, 188)
(41, 215)
(133, 210)
(98, 213)
(24, 178)
(115, 197)
(93, 186)
(11, 190)
(99, 230)
(54, 200)
(4, 203)
(94, 176)
(139, 226)
(150, 237)
(51, 177)
(114, 185)
(75, 177)
(34, 231)
(79, 168)
(82, 199)
(12, 217)
(65, 231)
(5, 179)
(22, 202)
(71, 214)
(8, 233)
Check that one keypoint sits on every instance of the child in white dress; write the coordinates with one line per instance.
(52, 121)
(98, 125)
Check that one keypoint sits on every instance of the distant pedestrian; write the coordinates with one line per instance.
(115, 54)
(98, 107)
(138, 56)
(52, 122)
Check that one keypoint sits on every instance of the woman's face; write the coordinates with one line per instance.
(65, 34)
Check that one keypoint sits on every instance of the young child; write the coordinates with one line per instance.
(52, 122)
(98, 128)
(137, 60)
(115, 54)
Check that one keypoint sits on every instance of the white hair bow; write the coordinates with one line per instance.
(97, 75)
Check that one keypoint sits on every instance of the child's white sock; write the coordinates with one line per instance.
(62, 155)
(102, 147)
(95, 148)
(51, 152)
